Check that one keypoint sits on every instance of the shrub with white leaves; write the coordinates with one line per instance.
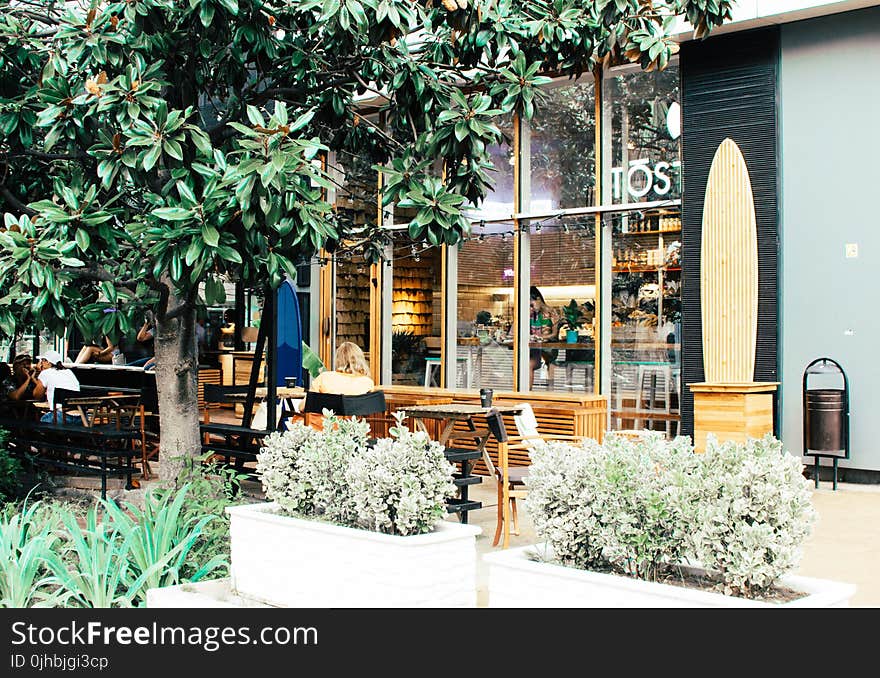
(400, 485)
(397, 486)
(752, 512)
(642, 506)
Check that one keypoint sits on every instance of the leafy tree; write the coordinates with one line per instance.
(152, 149)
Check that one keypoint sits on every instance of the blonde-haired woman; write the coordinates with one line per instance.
(350, 375)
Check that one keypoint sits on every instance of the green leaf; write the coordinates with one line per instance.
(172, 213)
(206, 13)
(82, 239)
(210, 235)
(151, 157)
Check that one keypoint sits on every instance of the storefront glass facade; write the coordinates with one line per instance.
(641, 138)
(484, 343)
(594, 234)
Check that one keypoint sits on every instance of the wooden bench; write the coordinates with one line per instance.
(129, 380)
(235, 444)
(105, 447)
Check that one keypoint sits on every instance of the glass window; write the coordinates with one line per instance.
(562, 299)
(642, 129)
(356, 201)
(358, 191)
(499, 202)
(484, 352)
(353, 303)
(416, 313)
(563, 156)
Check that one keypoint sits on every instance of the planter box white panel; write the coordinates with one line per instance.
(293, 562)
(203, 594)
(517, 581)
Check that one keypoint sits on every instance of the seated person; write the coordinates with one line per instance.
(350, 376)
(7, 384)
(24, 379)
(92, 353)
(145, 344)
(53, 374)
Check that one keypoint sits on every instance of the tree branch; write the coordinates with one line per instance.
(178, 311)
(15, 202)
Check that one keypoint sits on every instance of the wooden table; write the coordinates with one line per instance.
(450, 415)
(283, 393)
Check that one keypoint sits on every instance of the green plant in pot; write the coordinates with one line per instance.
(574, 318)
(407, 352)
(484, 318)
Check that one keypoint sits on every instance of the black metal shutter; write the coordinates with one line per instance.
(729, 89)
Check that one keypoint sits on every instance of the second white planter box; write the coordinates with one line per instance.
(293, 562)
(517, 581)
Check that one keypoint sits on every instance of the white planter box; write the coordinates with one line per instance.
(203, 594)
(293, 562)
(516, 581)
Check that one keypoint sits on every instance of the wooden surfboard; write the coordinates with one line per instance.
(729, 270)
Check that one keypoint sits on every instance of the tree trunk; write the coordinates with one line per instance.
(177, 371)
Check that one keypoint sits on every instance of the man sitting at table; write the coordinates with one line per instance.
(24, 379)
(53, 374)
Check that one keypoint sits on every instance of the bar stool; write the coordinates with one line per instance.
(588, 374)
(463, 367)
(646, 405)
(431, 362)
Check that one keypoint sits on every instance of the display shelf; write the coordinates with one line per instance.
(671, 230)
(645, 269)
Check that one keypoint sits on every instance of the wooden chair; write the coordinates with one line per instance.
(511, 480)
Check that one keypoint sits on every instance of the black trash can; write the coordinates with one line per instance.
(826, 416)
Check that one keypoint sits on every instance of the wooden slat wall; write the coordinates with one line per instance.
(729, 270)
(729, 89)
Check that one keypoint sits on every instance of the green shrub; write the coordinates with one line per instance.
(211, 488)
(11, 471)
(161, 540)
(28, 556)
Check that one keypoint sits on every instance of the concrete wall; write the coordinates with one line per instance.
(830, 182)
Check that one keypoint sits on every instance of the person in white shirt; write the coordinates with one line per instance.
(53, 374)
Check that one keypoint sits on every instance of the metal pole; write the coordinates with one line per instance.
(270, 317)
(255, 372)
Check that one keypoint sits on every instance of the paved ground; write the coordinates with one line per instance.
(844, 546)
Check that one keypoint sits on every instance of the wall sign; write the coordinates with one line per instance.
(643, 178)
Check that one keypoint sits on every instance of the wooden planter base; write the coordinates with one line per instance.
(732, 411)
